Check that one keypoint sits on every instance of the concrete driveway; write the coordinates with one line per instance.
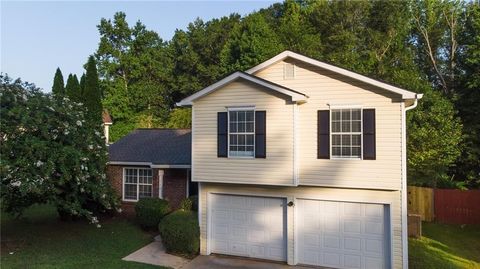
(227, 262)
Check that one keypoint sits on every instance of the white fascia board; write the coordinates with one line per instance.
(151, 165)
(296, 97)
(404, 93)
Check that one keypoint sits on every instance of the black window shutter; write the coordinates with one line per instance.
(260, 134)
(222, 133)
(323, 134)
(369, 152)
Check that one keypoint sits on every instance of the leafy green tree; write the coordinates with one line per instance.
(58, 87)
(468, 166)
(135, 68)
(92, 97)
(434, 139)
(252, 42)
(82, 84)
(50, 154)
(180, 118)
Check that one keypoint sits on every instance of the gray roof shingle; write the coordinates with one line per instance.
(156, 146)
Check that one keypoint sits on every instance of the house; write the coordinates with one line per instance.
(152, 163)
(302, 162)
(107, 122)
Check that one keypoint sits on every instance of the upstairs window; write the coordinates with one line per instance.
(241, 133)
(346, 133)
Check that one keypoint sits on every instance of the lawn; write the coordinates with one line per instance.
(40, 240)
(445, 246)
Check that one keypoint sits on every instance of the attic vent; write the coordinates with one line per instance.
(289, 71)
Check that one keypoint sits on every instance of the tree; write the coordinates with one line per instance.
(50, 154)
(92, 97)
(180, 118)
(434, 139)
(72, 89)
(135, 68)
(58, 84)
(82, 84)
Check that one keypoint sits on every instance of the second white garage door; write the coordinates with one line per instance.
(248, 226)
(342, 234)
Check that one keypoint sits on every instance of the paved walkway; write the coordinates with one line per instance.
(227, 262)
(154, 253)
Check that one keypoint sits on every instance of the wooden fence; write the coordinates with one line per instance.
(420, 201)
(445, 205)
(457, 207)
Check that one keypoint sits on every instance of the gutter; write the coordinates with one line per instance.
(404, 180)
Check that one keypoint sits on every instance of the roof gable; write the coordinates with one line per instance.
(288, 54)
(294, 95)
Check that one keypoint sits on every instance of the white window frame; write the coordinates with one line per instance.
(351, 133)
(137, 184)
(241, 108)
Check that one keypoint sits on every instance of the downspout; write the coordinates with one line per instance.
(404, 180)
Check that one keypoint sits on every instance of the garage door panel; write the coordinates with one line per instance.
(251, 226)
(349, 235)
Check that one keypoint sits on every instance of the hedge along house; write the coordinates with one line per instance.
(152, 163)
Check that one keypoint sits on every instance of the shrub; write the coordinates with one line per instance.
(180, 232)
(150, 211)
(194, 199)
(186, 204)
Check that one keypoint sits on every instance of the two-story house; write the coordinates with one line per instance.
(303, 162)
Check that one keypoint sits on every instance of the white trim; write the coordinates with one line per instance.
(295, 97)
(403, 207)
(288, 54)
(295, 146)
(243, 183)
(178, 166)
(161, 173)
(129, 163)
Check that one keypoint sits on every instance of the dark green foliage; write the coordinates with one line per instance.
(150, 211)
(91, 93)
(72, 89)
(58, 88)
(180, 232)
(186, 204)
(194, 199)
(50, 154)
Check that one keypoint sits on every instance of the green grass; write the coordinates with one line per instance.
(40, 240)
(445, 246)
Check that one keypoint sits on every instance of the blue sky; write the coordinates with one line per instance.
(36, 37)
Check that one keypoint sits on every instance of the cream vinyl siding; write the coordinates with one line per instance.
(324, 88)
(391, 198)
(276, 169)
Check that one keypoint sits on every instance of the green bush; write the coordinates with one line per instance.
(194, 199)
(150, 211)
(180, 232)
(186, 204)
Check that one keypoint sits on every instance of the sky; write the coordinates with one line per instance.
(37, 37)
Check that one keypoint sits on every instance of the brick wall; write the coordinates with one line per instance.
(174, 185)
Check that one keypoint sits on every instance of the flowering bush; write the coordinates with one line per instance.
(50, 153)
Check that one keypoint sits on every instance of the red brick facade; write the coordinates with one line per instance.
(174, 185)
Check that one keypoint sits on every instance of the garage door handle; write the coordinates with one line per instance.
(291, 203)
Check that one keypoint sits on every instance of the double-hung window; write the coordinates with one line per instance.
(346, 133)
(138, 183)
(241, 133)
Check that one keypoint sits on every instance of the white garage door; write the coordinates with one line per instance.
(343, 235)
(248, 226)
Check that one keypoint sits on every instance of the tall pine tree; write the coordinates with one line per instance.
(58, 87)
(92, 96)
(82, 86)
(72, 89)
